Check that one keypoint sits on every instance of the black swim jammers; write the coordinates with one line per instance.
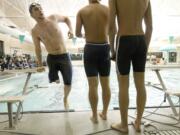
(131, 49)
(97, 59)
(60, 63)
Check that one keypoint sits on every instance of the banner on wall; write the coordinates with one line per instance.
(171, 39)
(21, 38)
(74, 40)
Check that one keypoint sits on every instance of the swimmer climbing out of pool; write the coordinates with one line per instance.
(49, 33)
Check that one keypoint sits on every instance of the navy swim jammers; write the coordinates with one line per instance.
(97, 59)
(131, 49)
(62, 63)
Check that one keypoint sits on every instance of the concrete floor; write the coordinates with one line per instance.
(78, 123)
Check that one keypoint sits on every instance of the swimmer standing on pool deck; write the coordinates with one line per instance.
(94, 17)
(49, 33)
(132, 46)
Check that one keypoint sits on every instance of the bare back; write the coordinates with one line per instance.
(130, 14)
(50, 34)
(94, 17)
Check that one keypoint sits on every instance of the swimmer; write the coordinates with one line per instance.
(132, 45)
(49, 33)
(94, 18)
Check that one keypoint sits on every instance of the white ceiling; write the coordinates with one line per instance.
(15, 12)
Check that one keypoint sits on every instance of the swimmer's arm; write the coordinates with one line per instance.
(36, 41)
(65, 19)
(68, 23)
(148, 23)
(112, 24)
(78, 25)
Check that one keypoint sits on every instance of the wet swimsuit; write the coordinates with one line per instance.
(97, 59)
(131, 49)
(60, 63)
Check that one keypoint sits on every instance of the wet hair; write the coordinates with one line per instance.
(34, 4)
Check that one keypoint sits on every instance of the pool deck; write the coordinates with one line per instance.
(78, 123)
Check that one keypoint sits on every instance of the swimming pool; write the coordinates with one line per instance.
(49, 97)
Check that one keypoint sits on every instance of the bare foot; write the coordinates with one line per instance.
(104, 117)
(66, 104)
(119, 127)
(94, 120)
(136, 126)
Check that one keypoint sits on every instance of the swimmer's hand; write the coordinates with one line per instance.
(80, 35)
(70, 34)
(113, 56)
(40, 69)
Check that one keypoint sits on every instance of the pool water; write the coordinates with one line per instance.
(49, 97)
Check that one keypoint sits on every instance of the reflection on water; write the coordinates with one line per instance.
(44, 96)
